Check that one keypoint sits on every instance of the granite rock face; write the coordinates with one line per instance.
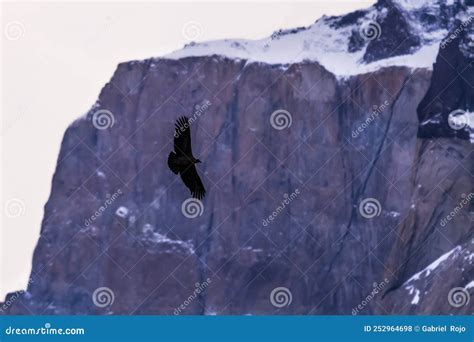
(442, 212)
(320, 247)
(306, 215)
(451, 89)
(395, 35)
(446, 279)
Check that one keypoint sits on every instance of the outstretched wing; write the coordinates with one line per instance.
(182, 137)
(191, 179)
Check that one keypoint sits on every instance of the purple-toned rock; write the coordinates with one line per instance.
(321, 197)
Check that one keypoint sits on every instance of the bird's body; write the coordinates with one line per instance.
(182, 161)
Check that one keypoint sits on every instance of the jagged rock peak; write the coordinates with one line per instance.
(391, 32)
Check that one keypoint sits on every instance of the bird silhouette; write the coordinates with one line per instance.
(182, 161)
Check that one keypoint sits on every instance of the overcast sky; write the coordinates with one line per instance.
(56, 57)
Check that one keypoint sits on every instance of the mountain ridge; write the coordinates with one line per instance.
(323, 247)
(388, 33)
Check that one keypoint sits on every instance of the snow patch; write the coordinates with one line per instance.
(255, 250)
(156, 238)
(469, 257)
(393, 214)
(416, 4)
(413, 290)
(468, 286)
(323, 42)
(122, 212)
(339, 62)
(430, 268)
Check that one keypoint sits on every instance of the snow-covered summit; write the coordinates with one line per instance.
(401, 32)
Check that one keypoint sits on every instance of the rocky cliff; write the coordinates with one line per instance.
(442, 212)
(325, 195)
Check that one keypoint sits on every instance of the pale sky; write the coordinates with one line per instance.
(55, 58)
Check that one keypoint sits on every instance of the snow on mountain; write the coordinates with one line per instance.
(430, 268)
(420, 285)
(341, 44)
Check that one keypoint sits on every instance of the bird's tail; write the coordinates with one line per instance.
(172, 163)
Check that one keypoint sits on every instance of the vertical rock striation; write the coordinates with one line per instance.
(114, 218)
